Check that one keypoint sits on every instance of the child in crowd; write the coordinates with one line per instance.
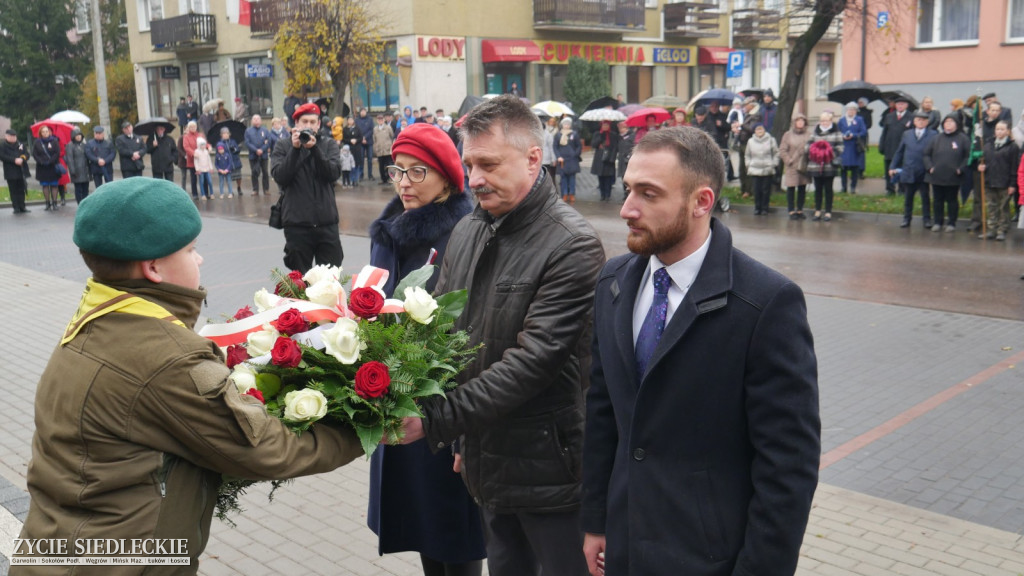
(348, 162)
(203, 168)
(223, 165)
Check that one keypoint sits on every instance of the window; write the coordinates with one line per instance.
(948, 21)
(771, 73)
(159, 91)
(196, 6)
(83, 16)
(1016, 20)
(253, 79)
(150, 10)
(822, 75)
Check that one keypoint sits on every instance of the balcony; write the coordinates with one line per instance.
(266, 16)
(183, 33)
(589, 15)
(800, 21)
(692, 20)
(755, 24)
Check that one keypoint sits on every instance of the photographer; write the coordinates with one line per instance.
(305, 168)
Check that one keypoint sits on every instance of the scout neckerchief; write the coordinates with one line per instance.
(99, 299)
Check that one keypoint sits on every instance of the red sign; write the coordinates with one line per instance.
(435, 48)
(560, 52)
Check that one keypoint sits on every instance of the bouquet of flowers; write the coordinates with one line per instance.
(311, 351)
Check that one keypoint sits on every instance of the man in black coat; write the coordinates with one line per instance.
(305, 168)
(703, 435)
(164, 153)
(131, 149)
(191, 111)
(14, 156)
(365, 124)
(894, 124)
(100, 153)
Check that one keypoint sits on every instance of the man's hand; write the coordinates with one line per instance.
(981, 167)
(413, 430)
(295, 140)
(18, 161)
(101, 162)
(311, 143)
(259, 151)
(593, 550)
(457, 465)
(135, 155)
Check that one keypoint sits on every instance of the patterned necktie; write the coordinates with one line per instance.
(654, 323)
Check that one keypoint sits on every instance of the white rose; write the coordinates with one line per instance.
(304, 405)
(262, 342)
(243, 377)
(325, 293)
(322, 272)
(265, 300)
(419, 304)
(342, 341)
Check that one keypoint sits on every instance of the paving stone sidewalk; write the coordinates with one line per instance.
(316, 525)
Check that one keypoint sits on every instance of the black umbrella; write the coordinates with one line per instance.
(602, 102)
(468, 103)
(854, 90)
(890, 95)
(757, 93)
(148, 126)
(237, 132)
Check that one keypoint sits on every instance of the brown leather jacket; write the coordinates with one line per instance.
(136, 422)
(520, 404)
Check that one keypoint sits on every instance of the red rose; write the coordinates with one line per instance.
(291, 322)
(243, 313)
(255, 393)
(286, 353)
(295, 277)
(372, 380)
(236, 355)
(365, 302)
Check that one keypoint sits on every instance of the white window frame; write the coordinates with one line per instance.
(937, 30)
(821, 92)
(83, 16)
(1009, 21)
(149, 10)
(195, 6)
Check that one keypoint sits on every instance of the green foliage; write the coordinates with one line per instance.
(39, 65)
(586, 81)
(120, 95)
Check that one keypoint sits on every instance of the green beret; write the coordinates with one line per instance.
(136, 219)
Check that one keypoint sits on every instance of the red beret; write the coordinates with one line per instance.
(307, 108)
(432, 146)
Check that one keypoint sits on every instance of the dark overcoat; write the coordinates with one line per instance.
(417, 502)
(707, 466)
(910, 156)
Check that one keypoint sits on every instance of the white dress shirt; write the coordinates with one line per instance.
(683, 273)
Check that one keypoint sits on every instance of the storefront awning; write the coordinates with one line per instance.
(509, 51)
(713, 55)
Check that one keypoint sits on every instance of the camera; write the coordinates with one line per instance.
(306, 135)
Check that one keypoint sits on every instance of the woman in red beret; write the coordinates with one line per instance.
(417, 502)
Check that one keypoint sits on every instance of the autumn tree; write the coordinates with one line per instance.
(333, 43)
(823, 13)
(120, 95)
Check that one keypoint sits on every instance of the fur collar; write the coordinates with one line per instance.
(423, 225)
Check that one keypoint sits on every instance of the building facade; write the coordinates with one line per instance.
(944, 49)
(442, 51)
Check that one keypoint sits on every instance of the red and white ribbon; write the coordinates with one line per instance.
(373, 277)
(236, 332)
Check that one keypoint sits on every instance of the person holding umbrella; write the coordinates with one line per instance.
(854, 133)
(164, 153)
(606, 149)
(236, 158)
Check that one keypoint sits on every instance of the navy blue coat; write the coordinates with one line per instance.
(910, 156)
(417, 503)
(570, 153)
(856, 129)
(707, 466)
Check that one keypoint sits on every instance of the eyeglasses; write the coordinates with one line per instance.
(416, 174)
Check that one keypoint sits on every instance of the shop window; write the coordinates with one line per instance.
(384, 94)
(822, 75)
(948, 22)
(203, 81)
(159, 89)
(1016, 21)
(253, 78)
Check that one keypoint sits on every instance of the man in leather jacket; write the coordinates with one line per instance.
(530, 264)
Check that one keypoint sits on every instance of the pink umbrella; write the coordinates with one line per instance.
(638, 119)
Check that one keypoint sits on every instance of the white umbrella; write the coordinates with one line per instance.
(71, 117)
(603, 115)
(212, 105)
(552, 108)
